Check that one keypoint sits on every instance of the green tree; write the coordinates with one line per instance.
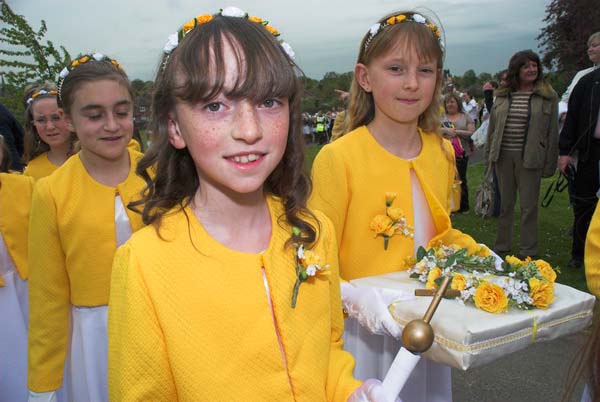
(28, 56)
(569, 23)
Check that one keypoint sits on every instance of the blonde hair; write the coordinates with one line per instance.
(408, 35)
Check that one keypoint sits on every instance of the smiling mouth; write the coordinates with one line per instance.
(243, 159)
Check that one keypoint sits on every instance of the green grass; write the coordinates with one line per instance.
(554, 221)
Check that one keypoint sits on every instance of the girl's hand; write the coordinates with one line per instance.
(370, 391)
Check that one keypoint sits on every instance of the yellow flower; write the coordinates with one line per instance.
(512, 260)
(188, 26)
(311, 258)
(84, 59)
(434, 274)
(391, 20)
(541, 292)
(256, 19)
(75, 63)
(382, 225)
(400, 18)
(491, 298)
(546, 270)
(272, 30)
(395, 213)
(459, 282)
(204, 18)
(389, 198)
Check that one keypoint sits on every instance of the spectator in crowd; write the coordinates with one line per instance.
(593, 52)
(523, 145)
(13, 135)
(469, 105)
(580, 136)
(458, 126)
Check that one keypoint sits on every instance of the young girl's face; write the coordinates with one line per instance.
(401, 84)
(235, 143)
(102, 117)
(49, 122)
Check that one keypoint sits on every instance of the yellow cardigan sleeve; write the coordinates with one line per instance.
(138, 366)
(592, 254)
(340, 380)
(330, 189)
(49, 302)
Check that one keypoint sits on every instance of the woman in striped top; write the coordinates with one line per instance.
(523, 145)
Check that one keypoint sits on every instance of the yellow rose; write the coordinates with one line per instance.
(400, 18)
(483, 252)
(541, 292)
(431, 285)
(84, 59)
(546, 270)
(395, 213)
(512, 260)
(391, 20)
(188, 26)
(491, 298)
(75, 63)
(273, 31)
(434, 274)
(311, 258)
(408, 262)
(459, 282)
(382, 225)
(256, 19)
(204, 18)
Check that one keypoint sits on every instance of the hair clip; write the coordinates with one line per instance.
(400, 18)
(41, 92)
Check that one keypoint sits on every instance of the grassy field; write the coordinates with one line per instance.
(554, 222)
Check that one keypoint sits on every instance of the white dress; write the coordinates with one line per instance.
(430, 381)
(86, 366)
(14, 312)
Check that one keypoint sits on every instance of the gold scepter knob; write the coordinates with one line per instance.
(418, 335)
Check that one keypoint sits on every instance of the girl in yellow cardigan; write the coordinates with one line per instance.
(78, 220)
(48, 140)
(232, 292)
(392, 166)
(15, 200)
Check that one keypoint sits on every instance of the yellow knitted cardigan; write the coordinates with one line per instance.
(39, 167)
(72, 241)
(592, 254)
(15, 201)
(350, 179)
(190, 320)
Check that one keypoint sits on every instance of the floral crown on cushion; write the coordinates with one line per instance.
(41, 92)
(401, 18)
(83, 60)
(175, 38)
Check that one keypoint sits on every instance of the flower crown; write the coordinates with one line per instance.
(41, 92)
(400, 18)
(83, 60)
(175, 38)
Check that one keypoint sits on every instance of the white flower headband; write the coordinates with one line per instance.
(400, 18)
(82, 60)
(39, 93)
(175, 38)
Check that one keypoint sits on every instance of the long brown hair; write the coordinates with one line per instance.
(517, 61)
(409, 35)
(195, 72)
(34, 145)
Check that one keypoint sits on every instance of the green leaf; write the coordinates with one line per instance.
(421, 252)
(414, 275)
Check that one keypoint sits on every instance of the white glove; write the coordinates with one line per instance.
(370, 391)
(497, 260)
(42, 396)
(370, 307)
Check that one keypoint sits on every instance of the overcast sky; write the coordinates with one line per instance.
(325, 34)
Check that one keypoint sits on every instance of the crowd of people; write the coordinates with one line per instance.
(211, 267)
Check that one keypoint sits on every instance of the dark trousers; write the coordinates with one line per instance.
(584, 200)
(461, 166)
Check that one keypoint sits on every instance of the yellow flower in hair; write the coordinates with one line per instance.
(188, 26)
(391, 20)
(84, 59)
(75, 63)
(256, 19)
(400, 18)
(272, 30)
(204, 18)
